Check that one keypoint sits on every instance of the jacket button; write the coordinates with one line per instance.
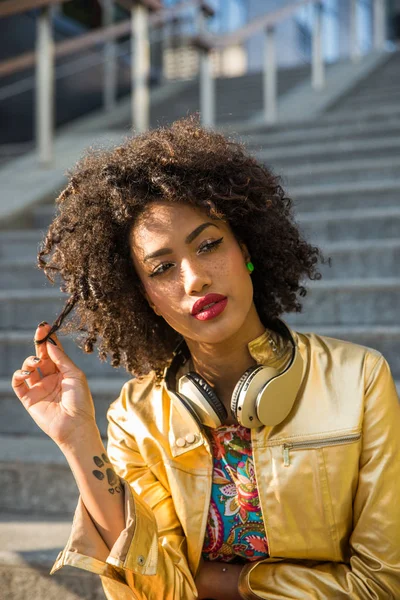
(180, 442)
(140, 560)
(190, 438)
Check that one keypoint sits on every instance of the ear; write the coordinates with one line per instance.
(245, 251)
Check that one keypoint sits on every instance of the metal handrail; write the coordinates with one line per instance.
(259, 24)
(92, 38)
(9, 8)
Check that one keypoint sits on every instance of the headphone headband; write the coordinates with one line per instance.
(262, 396)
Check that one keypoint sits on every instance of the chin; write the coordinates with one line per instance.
(213, 332)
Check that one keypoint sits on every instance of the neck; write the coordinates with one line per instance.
(223, 363)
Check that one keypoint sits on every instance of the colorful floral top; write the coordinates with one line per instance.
(235, 529)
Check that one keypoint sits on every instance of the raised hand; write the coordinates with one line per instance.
(57, 396)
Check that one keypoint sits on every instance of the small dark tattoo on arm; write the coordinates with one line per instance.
(112, 478)
(98, 461)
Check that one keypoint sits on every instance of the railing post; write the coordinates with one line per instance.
(270, 87)
(355, 51)
(110, 60)
(206, 78)
(379, 24)
(140, 68)
(44, 88)
(318, 67)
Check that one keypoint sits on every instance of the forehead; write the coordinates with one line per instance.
(167, 220)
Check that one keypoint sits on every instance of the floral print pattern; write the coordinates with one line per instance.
(235, 529)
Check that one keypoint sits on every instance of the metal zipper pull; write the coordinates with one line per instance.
(286, 457)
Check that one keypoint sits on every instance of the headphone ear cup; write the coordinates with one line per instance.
(211, 396)
(238, 388)
(210, 410)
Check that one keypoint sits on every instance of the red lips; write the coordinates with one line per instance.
(202, 302)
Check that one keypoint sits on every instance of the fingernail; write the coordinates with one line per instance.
(37, 359)
(43, 323)
(51, 341)
(26, 372)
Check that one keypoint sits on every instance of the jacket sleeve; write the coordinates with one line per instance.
(148, 560)
(374, 569)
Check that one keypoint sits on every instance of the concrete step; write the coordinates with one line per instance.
(370, 98)
(22, 273)
(21, 243)
(372, 86)
(339, 114)
(342, 171)
(34, 471)
(14, 419)
(350, 302)
(333, 226)
(340, 196)
(362, 259)
(17, 345)
(317, 153)
(301, 133)
(29, 546)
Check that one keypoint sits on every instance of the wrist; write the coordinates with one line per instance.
(84, 437)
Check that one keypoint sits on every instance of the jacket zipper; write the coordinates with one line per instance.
(316, 444)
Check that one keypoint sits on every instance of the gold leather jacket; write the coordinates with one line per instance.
(328, 480)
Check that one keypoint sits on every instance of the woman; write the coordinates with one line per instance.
(256, 463)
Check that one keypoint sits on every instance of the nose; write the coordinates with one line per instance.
(195, 278)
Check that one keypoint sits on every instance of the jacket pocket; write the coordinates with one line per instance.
(343, 439)
(306, 491)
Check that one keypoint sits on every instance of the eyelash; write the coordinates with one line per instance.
(205, 248)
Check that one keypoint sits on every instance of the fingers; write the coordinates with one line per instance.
(29, 396)
(41, 331)
(20, 383)
(32, 366)
(54, 351)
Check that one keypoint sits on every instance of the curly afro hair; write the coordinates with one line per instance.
(87, 243)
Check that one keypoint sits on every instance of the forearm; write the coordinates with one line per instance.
(98, 483)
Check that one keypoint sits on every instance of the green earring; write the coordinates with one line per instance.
(250, 267)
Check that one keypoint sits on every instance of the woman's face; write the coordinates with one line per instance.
(193, 271)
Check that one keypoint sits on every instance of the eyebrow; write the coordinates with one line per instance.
(188, 240)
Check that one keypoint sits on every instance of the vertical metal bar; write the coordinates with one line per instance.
(379, 24)
(44, 88)
(110, 60)
(140, 69)
(207, 89)
(270, 83)
(206, 79)
(355, 50)
(318, 67)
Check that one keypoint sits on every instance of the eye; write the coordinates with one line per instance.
(208, 246)
(163, 268)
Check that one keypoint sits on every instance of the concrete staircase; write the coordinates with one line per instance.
(342, 171)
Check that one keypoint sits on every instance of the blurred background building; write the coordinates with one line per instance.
(313, 88)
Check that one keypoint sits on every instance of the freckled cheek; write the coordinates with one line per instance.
(162, 296)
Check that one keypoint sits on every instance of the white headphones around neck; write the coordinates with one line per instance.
(262, 396)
